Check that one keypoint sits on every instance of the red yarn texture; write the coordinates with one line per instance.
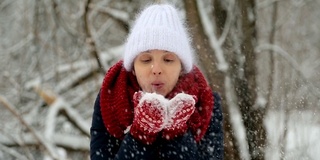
(117, 106)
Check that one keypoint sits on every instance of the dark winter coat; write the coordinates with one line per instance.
(104, 146)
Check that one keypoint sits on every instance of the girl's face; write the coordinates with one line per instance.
(157, 71)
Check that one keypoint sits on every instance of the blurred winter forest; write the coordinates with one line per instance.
(262, 56)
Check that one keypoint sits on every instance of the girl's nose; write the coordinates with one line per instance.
(156, 69)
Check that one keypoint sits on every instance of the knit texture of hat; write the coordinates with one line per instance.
(159, 27)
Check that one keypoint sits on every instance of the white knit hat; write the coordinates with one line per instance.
(159, 27)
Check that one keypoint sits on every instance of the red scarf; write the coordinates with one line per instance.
(117, 107)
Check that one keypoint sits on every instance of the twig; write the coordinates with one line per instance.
(117, 14)
(228, 23)
(18, 45)
(89, 38)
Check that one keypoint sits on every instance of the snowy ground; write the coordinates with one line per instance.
(302, 140)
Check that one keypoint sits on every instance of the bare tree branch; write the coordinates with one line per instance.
(272, 59)
(5, 3)
(58, 20)
(228, 22)
(278, 50)
(90, 40)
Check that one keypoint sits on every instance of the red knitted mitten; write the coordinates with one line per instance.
(149, 116)
(180, 108)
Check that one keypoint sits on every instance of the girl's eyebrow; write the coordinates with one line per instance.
(169, 52)
(147, 51)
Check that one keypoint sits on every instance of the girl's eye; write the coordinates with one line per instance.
(145, 60)
(169, 57)
(168, 60)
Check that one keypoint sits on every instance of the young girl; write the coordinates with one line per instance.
(155, 103)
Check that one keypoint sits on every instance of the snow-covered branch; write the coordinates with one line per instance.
(77, 65)
(74, 78)
(12, 152)
(213, 41)
(72, 115)
(67, 141)
(79, 68)
(58, 104)
(50, 139)
(48, 146)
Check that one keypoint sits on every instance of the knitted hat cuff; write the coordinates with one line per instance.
(162, 39)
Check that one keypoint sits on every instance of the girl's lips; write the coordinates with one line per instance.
(156, 86)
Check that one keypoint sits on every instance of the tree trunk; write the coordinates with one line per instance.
(215, 77)
(244, 76)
